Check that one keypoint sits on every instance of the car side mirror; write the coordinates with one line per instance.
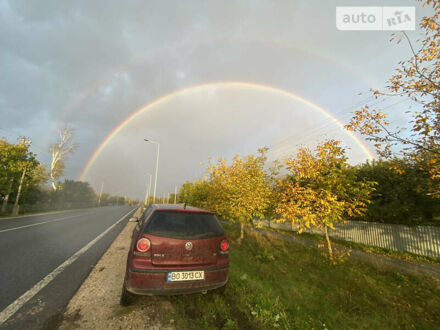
(133, 219)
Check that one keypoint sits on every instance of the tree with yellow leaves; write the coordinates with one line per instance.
(322, 189)
(239, 191)
(417, 79)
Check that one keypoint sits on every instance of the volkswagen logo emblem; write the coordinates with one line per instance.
(188, 246)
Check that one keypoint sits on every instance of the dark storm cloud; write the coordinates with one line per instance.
(93, 63)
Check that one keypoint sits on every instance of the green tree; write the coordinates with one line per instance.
(34, 182)
(75, 194)
(321, 189)
(17, 165)
(401, 194)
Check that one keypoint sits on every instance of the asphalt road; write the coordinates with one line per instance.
(33, 286)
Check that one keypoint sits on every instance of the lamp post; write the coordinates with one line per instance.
(147, 193)
(157, 167)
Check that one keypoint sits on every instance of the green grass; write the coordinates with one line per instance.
(363, 247)
(275, 283)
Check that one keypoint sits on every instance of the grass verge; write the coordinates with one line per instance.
(280, 284)
(363, 247)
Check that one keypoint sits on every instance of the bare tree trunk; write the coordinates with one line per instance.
(5, 200)
(241, 231)
(52, 180)
(15, 209)
(60, 151)
(330, 251)
(52, 171)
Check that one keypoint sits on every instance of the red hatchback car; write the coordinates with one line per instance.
(176, 250)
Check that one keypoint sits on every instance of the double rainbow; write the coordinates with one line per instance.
(229, 84)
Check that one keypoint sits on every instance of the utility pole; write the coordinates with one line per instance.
(157, 166)
(147, 193)
(100, 193)
(175, 194)
(15, 209)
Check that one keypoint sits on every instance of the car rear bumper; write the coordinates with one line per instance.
(154, 281)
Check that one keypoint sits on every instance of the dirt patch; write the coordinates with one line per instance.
(96, 304)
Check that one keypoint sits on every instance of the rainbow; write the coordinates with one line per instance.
(229, 84)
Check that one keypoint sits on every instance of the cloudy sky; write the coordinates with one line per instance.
(214, 78)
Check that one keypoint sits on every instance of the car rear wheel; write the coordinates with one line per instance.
(126, 297)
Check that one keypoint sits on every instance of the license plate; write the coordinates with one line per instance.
(186, 276)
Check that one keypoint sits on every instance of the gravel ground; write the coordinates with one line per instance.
(96, 304)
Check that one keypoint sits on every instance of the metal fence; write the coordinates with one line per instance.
(421, 240)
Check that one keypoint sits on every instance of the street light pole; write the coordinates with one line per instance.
(157, 167)
(147, 193)
(100, 193)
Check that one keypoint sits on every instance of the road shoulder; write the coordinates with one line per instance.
(96, 303)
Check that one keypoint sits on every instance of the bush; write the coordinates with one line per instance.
(401, 195)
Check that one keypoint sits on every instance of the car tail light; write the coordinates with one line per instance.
(143, 245)
(224, 245)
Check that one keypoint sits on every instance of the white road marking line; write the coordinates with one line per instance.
(41, 223)
(19, 302)
(31, 215)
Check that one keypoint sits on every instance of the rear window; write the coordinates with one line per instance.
(186, 225)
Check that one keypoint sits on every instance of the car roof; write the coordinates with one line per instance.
(178, 207)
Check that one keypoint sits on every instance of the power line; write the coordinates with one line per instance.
(286, 142)
(339, 114)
